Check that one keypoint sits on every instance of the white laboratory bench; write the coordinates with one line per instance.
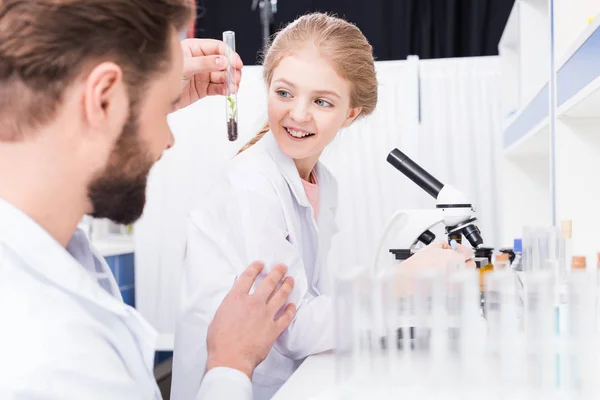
(315, 378)
(312, 379)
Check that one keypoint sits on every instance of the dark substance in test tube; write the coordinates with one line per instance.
(232, 129)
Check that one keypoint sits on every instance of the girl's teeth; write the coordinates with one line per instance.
(298, 134)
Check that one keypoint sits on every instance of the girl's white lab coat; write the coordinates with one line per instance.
(258, 211)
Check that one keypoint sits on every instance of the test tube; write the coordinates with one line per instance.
(565, 250)
(431, 326)
(467, 328)
(503, 339)
(384, 325)
(540, 330)
(231, 94)
(345, 301)
(581, 360)
(355, 328)
(405, 334)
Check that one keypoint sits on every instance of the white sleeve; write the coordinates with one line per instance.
(265, 238)
(311, 331)
(225, 383)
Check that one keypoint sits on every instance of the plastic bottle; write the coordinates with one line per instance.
(518, 249)
(517, 267)
(565, 253)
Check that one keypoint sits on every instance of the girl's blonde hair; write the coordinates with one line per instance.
(339, 41)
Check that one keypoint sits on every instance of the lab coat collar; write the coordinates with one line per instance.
(287, 167)
(46, 257)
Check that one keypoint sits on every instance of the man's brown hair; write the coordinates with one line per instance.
(46, 44)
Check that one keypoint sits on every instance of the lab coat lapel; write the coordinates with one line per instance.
(45, 257)
(326, 226)
(327, 212)
(287, 168)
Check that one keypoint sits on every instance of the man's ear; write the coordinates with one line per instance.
(105, 98)
(352, 115)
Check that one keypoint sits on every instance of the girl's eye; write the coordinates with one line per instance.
(323, 103)
(283, 93)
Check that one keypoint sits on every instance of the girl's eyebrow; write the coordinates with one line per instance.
(328, 92)
(285, 82)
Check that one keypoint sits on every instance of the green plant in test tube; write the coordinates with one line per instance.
(231, 97)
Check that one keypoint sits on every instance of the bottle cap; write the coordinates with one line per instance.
(518, 245)
(566, 228)
(578, 262)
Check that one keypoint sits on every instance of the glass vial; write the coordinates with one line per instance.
(231, 94)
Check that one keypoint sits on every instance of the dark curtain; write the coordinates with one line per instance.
(395, 28)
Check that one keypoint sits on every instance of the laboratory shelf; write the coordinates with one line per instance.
(578, 94)
(114, 245)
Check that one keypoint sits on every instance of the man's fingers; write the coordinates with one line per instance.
(218, 77)
(271, 281)
(209, 47)
(221, 77)
(285, 319)
(204, 64)
(246, 280)
(281, 295)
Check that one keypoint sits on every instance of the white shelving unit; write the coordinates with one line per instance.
(108, 238)
(526, 165)
(524, 50)
(510, 61)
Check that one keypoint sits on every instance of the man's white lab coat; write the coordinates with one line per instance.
(65, 332)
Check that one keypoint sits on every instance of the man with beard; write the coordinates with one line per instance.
(85, 90)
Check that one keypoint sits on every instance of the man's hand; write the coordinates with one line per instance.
(204, 69)
(244, 328)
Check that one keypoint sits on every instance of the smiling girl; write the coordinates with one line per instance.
(277, 203)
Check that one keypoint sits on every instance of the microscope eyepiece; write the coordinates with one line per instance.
(415, 173)
(469, 230)
(473, 235)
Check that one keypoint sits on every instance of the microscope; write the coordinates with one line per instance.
(411, 227)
